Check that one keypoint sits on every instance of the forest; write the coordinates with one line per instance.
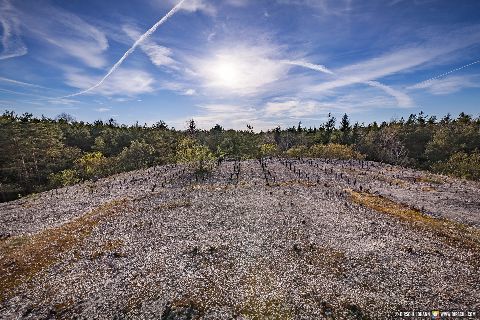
(39, 154)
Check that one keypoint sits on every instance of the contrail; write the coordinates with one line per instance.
(142, 38)
(423, 83)
(308, 65)
(20, 83)
(37, 96)
(402, 98)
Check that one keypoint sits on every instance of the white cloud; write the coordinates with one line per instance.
(189, 92)
(211, 36)
(231, 116)
(125, 82)
(180, 88)
(103, 109)
(159, 55)
(12, 44)
(292, 107)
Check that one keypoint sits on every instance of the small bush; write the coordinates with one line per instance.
(91, 165)
(64, 178)
(196, 155)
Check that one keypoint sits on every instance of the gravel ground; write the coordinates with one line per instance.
(281, 239)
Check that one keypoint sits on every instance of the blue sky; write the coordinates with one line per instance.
(238, 62)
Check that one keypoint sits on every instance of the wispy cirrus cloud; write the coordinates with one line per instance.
(403, 60)
(450, 84)
(325, 7)
(12, 44)
(55, 26)
(286, 111)
(308, 65)
(402, 98)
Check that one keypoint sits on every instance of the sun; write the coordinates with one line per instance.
(239, 70)
(226, 73)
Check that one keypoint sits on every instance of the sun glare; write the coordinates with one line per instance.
(227, 73)
(241, 71)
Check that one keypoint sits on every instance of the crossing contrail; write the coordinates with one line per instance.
(402, 99)
(139, 41)
(423, 83)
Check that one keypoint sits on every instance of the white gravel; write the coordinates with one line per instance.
(273, 244)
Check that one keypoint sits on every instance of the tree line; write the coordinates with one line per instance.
(38, 154)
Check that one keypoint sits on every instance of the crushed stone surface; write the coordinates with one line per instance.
(277, 239)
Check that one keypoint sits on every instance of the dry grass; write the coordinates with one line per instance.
(23, 257)
(452, 233)
(430, 179)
